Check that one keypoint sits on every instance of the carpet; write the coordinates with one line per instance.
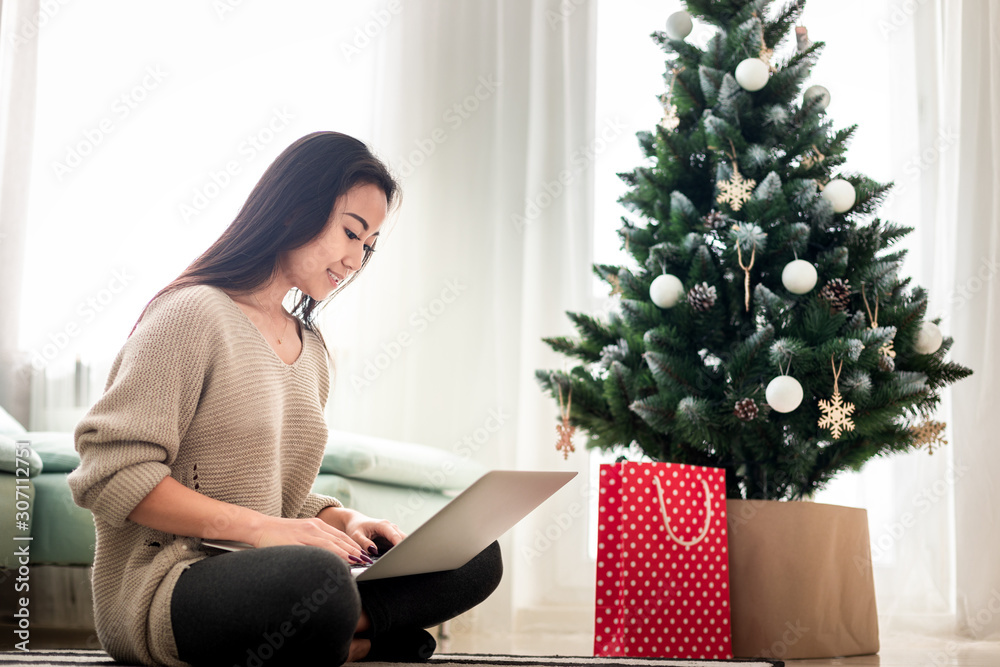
(72, 658)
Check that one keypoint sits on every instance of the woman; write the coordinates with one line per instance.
(211, 425)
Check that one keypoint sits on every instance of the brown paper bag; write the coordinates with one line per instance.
(801, 583)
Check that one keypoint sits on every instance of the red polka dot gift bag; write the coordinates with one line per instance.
(662, 562)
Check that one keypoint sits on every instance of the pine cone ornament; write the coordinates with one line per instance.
(837, 293)
(701, 297)
(886, 363)
(746, 409)
(714, 220)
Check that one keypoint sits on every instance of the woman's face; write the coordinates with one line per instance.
(318, 267)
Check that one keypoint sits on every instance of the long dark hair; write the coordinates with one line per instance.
(289, 206)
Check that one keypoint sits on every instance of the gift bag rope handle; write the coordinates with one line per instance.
(666, 521)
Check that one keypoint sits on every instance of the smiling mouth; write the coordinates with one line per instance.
(334, 278)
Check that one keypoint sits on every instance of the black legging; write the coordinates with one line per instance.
(299, 605)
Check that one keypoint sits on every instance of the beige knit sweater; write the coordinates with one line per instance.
(196, 393)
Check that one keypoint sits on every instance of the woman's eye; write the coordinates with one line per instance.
(354, 237)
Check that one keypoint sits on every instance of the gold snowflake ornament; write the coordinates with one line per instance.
(670, 119)
(736, 191)
(616, 286)
(836, 413)
(930, 433)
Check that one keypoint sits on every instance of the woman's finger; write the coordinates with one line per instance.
(366, 544)
(390, 532)
(351, 550)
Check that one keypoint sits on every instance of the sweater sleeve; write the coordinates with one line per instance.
(316, 503)
(130, 437)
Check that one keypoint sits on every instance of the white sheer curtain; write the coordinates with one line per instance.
(933, 518)
(18, 55)
(968, 241)
(486, 112)
(153, 123)
(909, 497)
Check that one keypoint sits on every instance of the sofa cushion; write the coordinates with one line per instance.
(62, 532)
(342, 457)
(353, 455)
(56, 449)
(336, 486)
(14, 523)
(406, 464)
(8, 462)
(9, 426)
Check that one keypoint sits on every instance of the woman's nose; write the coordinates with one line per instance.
(352, 262)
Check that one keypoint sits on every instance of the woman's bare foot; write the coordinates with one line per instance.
(363, 622)
(359, 649)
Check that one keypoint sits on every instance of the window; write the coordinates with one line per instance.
(153, 124)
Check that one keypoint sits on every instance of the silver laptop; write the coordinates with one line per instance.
(461, 529)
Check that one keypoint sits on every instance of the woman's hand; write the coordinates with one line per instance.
(361, 528)
(276, 531)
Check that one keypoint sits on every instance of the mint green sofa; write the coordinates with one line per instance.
(403, 482)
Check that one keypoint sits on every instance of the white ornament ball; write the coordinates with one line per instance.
(679, 25)
(666, 290)
(840, 194)
(784, 393)
(799, 276)
(752, 74)
(818, 91)
(928, 339)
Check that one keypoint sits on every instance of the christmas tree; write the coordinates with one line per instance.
(763, 327)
